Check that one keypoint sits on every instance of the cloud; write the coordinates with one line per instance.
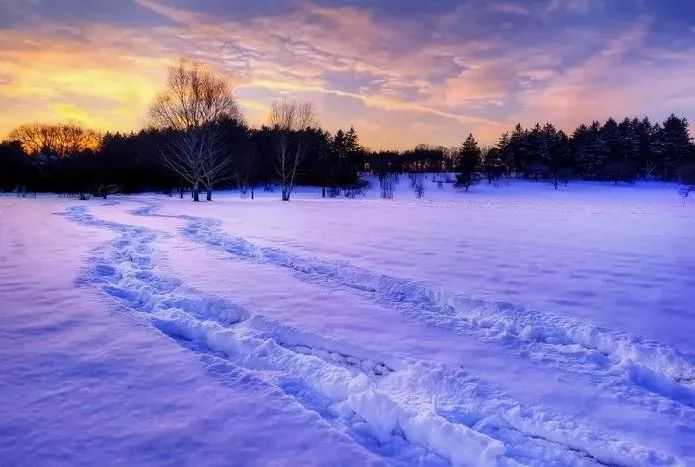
(473, 66)
(70, 112)
(576, 6)
(612, 83)
(510, 8)
(44, 70)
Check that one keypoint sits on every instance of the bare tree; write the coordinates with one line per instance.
(55, 139)
(289, 120)
(192, 110)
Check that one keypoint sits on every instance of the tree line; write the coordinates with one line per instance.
(135, 162)
(196, 140)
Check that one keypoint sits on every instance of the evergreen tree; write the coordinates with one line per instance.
(353, 156)
(346, 158)
(324, 163)
(505, 152)
(518, 150)
(538, 153)
(596, 153)
(469, 163)
(581, 148)
(610, 138)
(622, 162)
(559, 161)
(629, 141)
(646, 160)
(493, 166)
(674, 141)
(656, 148)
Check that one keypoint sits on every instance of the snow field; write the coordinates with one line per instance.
(225, 329)
(453, 338)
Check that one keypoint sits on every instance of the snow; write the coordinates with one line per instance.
(510, 325)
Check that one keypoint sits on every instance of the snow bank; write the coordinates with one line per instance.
(458, 443)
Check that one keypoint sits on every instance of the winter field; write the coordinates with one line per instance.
(512, 325)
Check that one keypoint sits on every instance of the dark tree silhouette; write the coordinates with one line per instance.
(55, 139)
(469, 163)
(15, 166)
(66, 158)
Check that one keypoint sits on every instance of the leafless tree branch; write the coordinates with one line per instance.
(289, 120)
(191, 110)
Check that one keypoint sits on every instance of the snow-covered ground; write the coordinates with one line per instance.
(510, 325)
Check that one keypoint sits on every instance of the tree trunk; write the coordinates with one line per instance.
(323, 192)
(209, 195)
(251, 191)
(196, 192)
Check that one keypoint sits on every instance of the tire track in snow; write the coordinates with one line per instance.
(425, 406)
(625, 366)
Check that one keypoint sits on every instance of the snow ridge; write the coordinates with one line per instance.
(628, 365)
(458, 418)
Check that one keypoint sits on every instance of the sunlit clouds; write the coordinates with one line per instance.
(402, 76)
(53, 75)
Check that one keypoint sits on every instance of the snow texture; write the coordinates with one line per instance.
(155, 331)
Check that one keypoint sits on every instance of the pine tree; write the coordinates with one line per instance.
(493, 167)
(624, 155)
(675, 145)
(518, 150)
(611, 139)
(645, 135)
(505, 153)
(353, 156)
(581, 148)
(469, 164)
(537, 151)
(324, 162)
(596, 151)
(559, 159)
(629, 141)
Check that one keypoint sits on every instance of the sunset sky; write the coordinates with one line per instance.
(402, 72)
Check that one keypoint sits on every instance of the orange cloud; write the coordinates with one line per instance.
(49, 78)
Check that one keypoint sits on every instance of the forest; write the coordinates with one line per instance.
(197, 140)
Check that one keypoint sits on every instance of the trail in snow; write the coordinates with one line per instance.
(412, 408)
(628, 367)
